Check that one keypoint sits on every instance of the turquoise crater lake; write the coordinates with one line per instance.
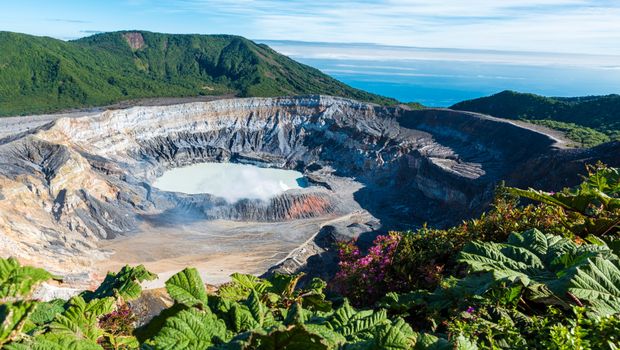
(230, 181)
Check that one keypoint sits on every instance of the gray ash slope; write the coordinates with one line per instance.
(73, 182)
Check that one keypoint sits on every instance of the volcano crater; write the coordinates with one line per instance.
(77, 195)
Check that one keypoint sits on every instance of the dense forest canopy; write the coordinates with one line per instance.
(40, 74)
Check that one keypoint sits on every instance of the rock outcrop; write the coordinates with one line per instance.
(69, 184)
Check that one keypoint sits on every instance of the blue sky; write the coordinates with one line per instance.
(578, 26)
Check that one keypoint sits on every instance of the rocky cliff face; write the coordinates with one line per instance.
(69, 184)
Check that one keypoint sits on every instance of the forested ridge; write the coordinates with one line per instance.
(588, 120)
(41, 74)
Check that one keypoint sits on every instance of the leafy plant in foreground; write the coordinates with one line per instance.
(504, 298)
(74, 324)
(540, 268)
(253, 313)
(551, 268)
(125, 284)
(18, 281)
(16, 285)
(593, 206)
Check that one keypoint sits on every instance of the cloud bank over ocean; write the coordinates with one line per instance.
(442, 77)
(569, 26)
(344, 51)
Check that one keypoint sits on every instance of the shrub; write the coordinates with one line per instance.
(533, 289)
(592, 208)
(118, 323)
(366, 278)
(424, 256)
(585, 212)
(554, 330)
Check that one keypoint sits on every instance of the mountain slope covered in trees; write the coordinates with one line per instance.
(589, 120)
(40, 74)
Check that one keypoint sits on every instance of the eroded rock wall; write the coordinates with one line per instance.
(71, 183)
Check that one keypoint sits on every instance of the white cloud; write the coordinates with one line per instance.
(392, 54)
(532, 25)
(575, 26)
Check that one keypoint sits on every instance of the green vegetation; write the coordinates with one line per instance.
(583, 136)
(545, 275)
(39, 74)
(589, 120)
(248, 313)
(414, 105)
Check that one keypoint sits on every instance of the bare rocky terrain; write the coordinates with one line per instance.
(76, 194)
(18, 124)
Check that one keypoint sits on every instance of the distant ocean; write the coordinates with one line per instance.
(442, 77)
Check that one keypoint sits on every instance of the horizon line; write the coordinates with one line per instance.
(90, 33)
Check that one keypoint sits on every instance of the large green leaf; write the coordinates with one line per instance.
(463, 343)
(594, 205)
(19, 281)
(125, 283)
(426, 341)
(398, 335)
(342, 315)
(256, 307)
(125, 342)
(283, 285)
(313, 296)
(599, 189)
(395, 336)
(537, 195)
(54, 341)
(598, 282)
(12, 318)
(81, 319)
(233, 291)
(531, 257)
(250, 282)
(292, 338)
(259, 311)
(330, 337)
(361, 322)
(605, 180)
(350, 323)
(191, 329)
(186, 287)
(295, 315)
(550, 267)
(241, 285)
(45, 312)
(243, 320)
(154, 326)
